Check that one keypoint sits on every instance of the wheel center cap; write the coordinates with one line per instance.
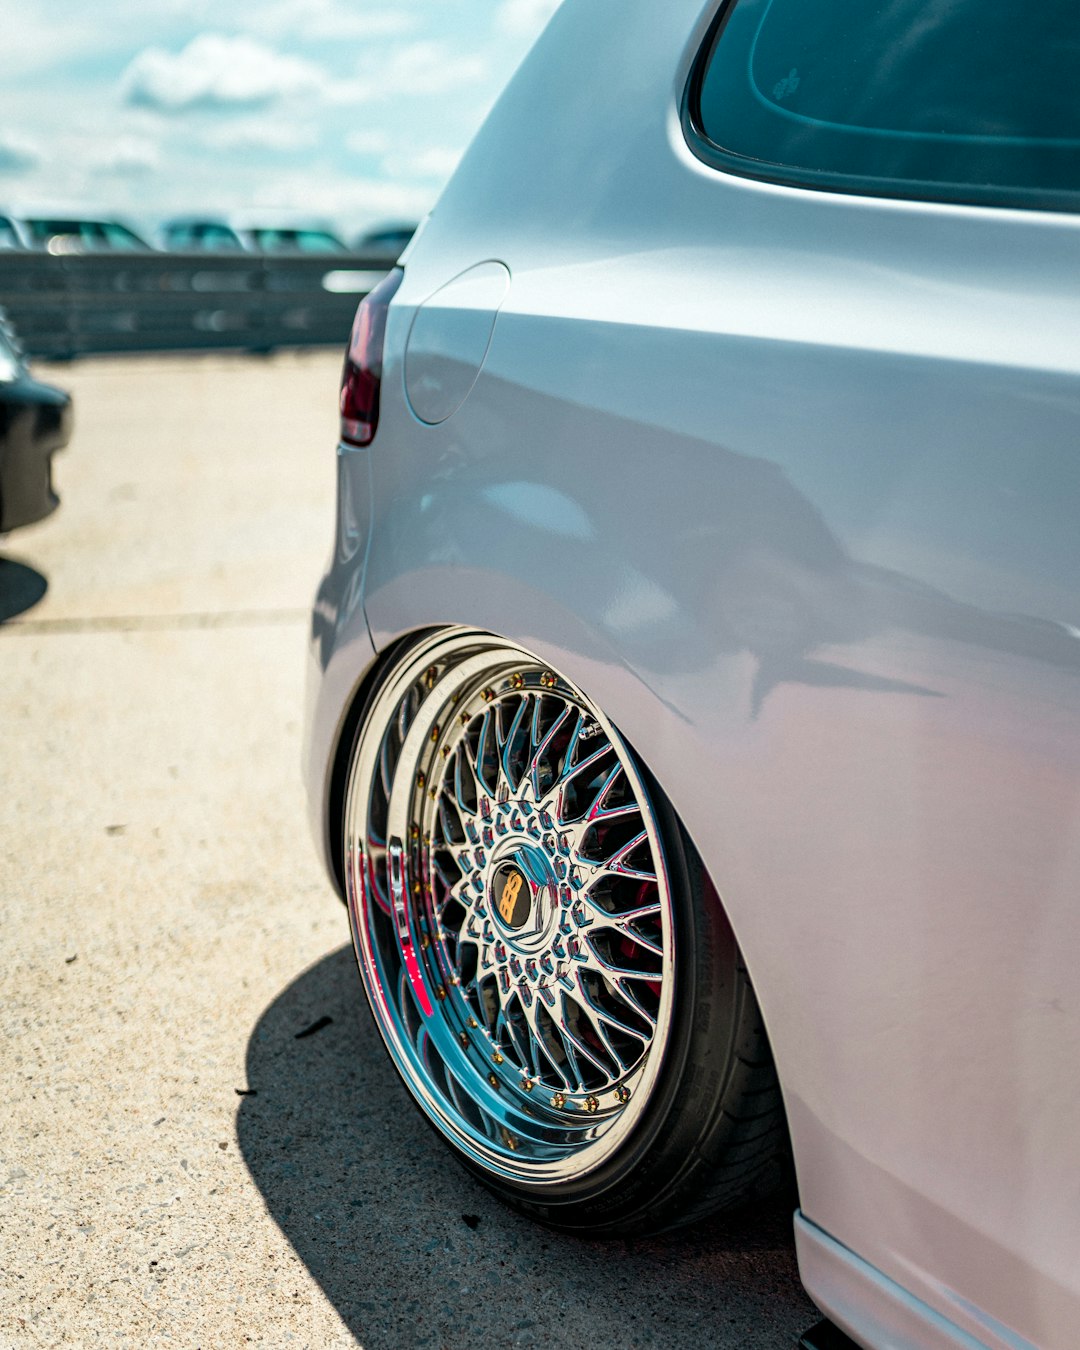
(513, 895)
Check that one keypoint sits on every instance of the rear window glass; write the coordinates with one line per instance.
(963, 100)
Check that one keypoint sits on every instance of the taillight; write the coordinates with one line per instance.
(362, 376)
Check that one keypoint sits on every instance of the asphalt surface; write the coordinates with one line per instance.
(165, 934)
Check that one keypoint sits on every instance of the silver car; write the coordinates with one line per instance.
(694, 709)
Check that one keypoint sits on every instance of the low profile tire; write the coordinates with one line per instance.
(545, 958)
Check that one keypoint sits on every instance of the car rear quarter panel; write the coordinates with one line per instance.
(788, 482)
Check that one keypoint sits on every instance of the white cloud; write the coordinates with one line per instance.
(355, 202)
(37, 39)
(301, 20)
(214, 71)
(17, 153)
(524, 18)
(312, 91)
(420, 68)
(128, 156)
(317, 20)
(434, 163)
(372, 142)
(277, 136)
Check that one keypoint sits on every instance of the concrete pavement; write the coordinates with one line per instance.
(165, 934)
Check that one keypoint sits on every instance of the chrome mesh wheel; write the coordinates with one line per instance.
(510, 907)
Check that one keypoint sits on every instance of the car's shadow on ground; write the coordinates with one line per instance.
(412, 1252)
(21, 588)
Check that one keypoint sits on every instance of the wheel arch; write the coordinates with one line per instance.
(642, 717)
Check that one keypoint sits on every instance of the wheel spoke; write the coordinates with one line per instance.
(621, 916)
(507, 747)
(596, 810)
(580, 1048)
(607, 1018)
(463, 761)
(488, 731)
(601, 1024)
(540, 1044)
(541, 747)
(628, 996)
(596, 960)
(586, 763)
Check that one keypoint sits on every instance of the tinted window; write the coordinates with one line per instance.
(217, 237)
(93, 234)
(41, 231)
(318, 241)
(969, 100)
(119, 236)
(387, 239)
(297, 241)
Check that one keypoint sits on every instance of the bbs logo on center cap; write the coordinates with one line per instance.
(512, 896)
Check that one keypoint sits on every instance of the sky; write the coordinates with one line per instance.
(353, 112)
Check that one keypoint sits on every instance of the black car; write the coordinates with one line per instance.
(35, 422)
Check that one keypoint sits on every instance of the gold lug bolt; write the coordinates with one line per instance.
(432, 793)
(440, 991)
(420, 779)
(623, 1094)
(493, 1080)
(548, 680)
(445, 752)
(591, 1104)
(558, 1100)
(473, 1023)
(434, 733)
(463, 1037)
(463, 718)
(487, 695)
(425, 942)
(497, 1058)
(430, 675)
(517, 681)
(527, 1085)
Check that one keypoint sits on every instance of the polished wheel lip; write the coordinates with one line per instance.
(514, 1117)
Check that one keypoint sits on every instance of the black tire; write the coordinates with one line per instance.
(682, 1122)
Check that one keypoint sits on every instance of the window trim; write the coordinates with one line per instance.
(819, 180)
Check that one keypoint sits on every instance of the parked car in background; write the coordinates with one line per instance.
(35, 422)
(694, 711)
(389, 239)
(198, 235)
(291, 239)
(215, 236)
(63, 234)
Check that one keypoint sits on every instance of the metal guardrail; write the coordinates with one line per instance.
(78, 304)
